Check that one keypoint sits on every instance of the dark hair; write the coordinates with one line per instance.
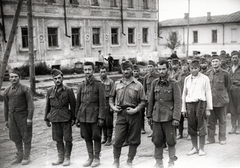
(88, 63)
(103, 67)
(162, 62)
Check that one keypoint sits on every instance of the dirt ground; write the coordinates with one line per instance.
(44, 149)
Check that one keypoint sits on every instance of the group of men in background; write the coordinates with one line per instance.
(172, 90)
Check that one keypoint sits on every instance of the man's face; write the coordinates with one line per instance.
(14, 78)
(235, 59)
(194, 70)
(103, 73)
(127, 72)
(163, 70)
(175, 66)
(150, 68)
(88, 70)
(185, 67)
(135, 73)
(58, 80)
(204, 65)
(216, 63)
(169, 62)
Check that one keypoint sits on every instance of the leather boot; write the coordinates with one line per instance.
(97, 150)
(109, 142)
(116, 163)
(26, 157)
(60, 149)
(96, 161)
(104, 130)
(159, 164)
(68, 150)
(89, 145)
(171, 162)
(19, 154)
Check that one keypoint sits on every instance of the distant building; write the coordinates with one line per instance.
(207, 34)
(92, 25)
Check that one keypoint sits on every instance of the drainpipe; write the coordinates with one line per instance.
(65, 18)
(122, 17)
(223, 34)
(4, 33)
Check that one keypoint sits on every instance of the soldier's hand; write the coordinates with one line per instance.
(29, 122)
(73, 122)
(150, 121)
(77, 123)
(117, 108)
(207, 113)
(100, 122)
(48, 123)
(175, 123)
(6, 124)
(131, 110)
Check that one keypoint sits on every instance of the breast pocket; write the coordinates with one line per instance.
(157, 93)
(220, 85)
(65, 99)
(94, 96)
(168, 95)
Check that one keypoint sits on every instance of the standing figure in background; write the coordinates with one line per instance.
(203, 65)
(234, 104)
(110, 62)
(164, 110)
(90, 113)
(175, 72)
(220, 86)
(196, 105)
(60, 111)
(108, 124)
(147, 81)
(100, 59)
(127, 99)
(18, 113)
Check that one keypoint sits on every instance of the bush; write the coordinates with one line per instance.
(41, 68)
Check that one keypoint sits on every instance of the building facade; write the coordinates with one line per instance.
(207, 35)
(76, 31)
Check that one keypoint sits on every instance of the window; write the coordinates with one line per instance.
(145, 35)
(145, 4)
(131, 36)
(130, 3)
(24, 37)
(76, 37)
(73, 1)
(233, 35)
(51, 1)
(95, 3)
(96, 36)
(214, 36)
(52, 37)
(114, 33)
(195, 36)
(113, 3)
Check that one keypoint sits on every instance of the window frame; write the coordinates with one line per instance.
(23, 38)
(195, 36)
(54, 35)
(116, 36)
(130, 3)
(132, 36)
(73, 35)
(147, 35)
(233, 35)
(73, 2)
(99, 36)
(145, 4)
(94, 3)
(113, 3)
(214, 36)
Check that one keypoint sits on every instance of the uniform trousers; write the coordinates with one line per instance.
(108, 124)
(234, 106)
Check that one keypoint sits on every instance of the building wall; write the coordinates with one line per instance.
(85, 17)
(204, 45)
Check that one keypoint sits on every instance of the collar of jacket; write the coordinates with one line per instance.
(15, 86)
(61, 88)
(90, 80)
(132, 80)
(164, 81)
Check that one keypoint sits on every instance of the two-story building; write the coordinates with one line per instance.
(207, 34)
(76, 31)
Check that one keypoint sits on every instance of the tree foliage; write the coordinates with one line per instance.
(173, 41)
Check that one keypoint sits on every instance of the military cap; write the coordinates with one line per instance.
(16, 71)
(195, 63)
(56, 72)
(203, 60)
(126, 64)
(151, 62)
(215, 57)
(234, 53)
(184, 61)
(175, 61)
(135, 67)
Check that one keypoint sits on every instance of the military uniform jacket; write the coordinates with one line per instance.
(147, 81)
(235, 76)
(220, 86)
(90, 101)
(57, 105)
(164, 101)
(108, 83)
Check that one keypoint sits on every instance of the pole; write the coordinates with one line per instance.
(188, 27)
(31, 47)
(3, 24)
(122, 18)
(10, 42)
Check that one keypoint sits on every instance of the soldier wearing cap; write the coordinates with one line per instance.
(90, 113)
(234, 106)
(108, 124)
(18, 113)
(220, 86)
(127, 99)
(203, 65)
(164, 110)
(147, 80)
(60, 111)
(196, 105)
(175, 72)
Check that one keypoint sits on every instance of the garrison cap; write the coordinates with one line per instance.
(151, 62)
(126, 64)
(215, 57)
(16, 71)
(234, 53)
(56, 72)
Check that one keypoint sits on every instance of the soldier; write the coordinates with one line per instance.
(127, 98)
(108, 124)
(164, 110)
(58, 100)
(196, 105)
(234, 73)
(147, 81)
(90, 113)
(203, 65)
(175, 72)
(220, 85)
(18, 113)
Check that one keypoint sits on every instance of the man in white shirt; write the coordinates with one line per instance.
(196, 105)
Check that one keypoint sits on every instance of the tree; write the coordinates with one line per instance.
(172, 41)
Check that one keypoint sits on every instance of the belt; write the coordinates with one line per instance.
(125, 107)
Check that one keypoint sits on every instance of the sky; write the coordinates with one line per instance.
(171, 9)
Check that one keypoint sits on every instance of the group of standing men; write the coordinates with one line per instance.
(168, 93)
